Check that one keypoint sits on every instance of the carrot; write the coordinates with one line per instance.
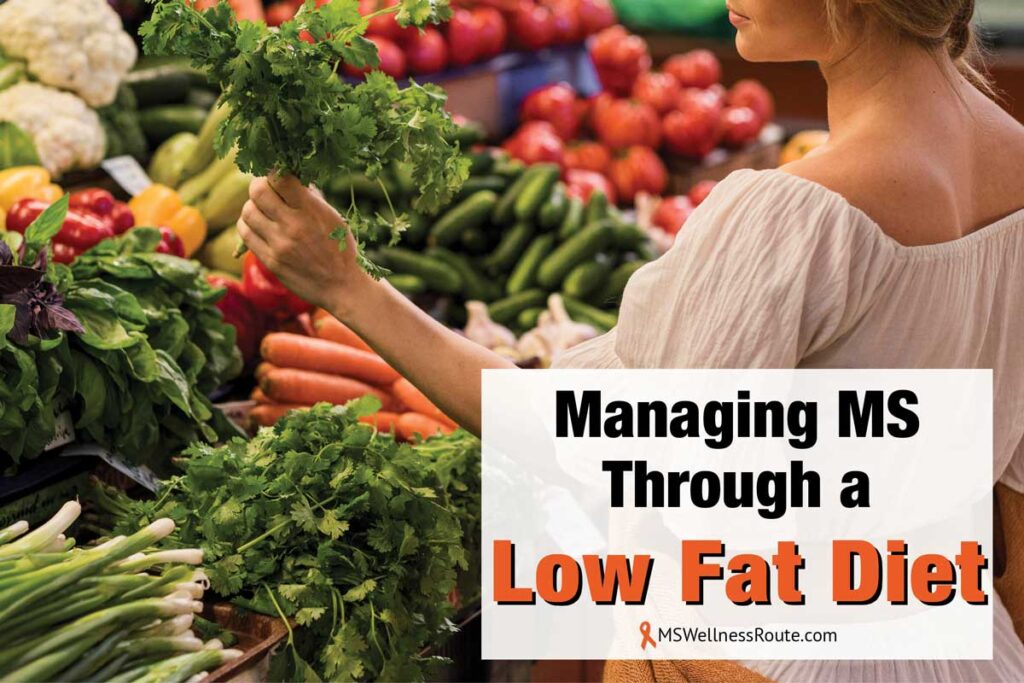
(416, 401)
(319, 355)
(267, 414)
(412, 425)
(382, 421)
(258, 396)
(288, 385)
(262, 369)
(332, 329)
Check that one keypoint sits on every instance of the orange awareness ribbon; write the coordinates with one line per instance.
(645, 631)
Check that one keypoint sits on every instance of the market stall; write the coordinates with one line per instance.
(202, 472)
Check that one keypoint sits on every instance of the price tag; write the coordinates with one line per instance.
(128, 173)
(140, 474)
(63, 431)
(237, 412)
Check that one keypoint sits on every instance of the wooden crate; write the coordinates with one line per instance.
(257, 634)
(685, 173)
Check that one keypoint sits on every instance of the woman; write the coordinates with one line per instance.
(898, 244)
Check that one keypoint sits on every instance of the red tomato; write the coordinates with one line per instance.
(659, 90)
(695, 69)
(568, 28)
(385, 26)
(595, 15)
(640, 169)
(392, 59)
(588, 156)
(170, 243)
(533, 25)
(619, 59)
(492, 31)
(699, 192)
(671, 213)
(555, 104)
(426, 52)
(739, 125)
(594, 108)
(536, 142)
(750, 93)
(581, 184)
(463, 38)
(693, 129)
(280, 12)
(625, 123)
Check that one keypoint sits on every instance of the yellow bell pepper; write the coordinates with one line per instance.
(160, 206)
(26, 182)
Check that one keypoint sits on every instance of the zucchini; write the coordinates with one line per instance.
(585, 313)
(438, 275)
(529, 318)
(204, 153)
(553, 212)
(195, 189)
(166, 84)
(611, 293)
(597, 208)
(513, 243)
(580, 248)
(407, 284)
(524, 275)
(164, 122)
(505, 311)
(586, 279)
(536, 192)
(494, 183)
(573, 221)
(471, 213)
(505, 211)
(475, 286)
(475, 241)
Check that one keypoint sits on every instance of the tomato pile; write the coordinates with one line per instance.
(611, 141)
(477, 31)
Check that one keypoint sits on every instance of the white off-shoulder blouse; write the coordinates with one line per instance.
(776, 271)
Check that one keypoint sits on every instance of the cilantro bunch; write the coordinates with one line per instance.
(291, 112)
(355, 537)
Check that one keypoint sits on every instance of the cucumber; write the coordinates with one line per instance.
(585, 279)
(468, 134)
(553, 212)
(585, 313)
(505, 211)
(536, 192)
(513, 243)
(480, 163)
(494, 183)
(580, 248)
(198, 97)
(512, 169)
(475, 241)
(597, 208)
(524, 275)
(438, 275)
(416, 233)
(407, 284)
(471, 213)
(528, 319)
(573, 221)
(165, 84)
(611, 293)
(475, 286)
(195, 189)
(627, 237)
(505, 311)
(163, 122)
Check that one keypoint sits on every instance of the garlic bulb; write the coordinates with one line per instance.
(484, 331)
(555, 332)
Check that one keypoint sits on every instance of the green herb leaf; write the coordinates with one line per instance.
(48, 224)
(16, 147)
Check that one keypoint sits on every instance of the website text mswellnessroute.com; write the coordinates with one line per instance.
(758, 634)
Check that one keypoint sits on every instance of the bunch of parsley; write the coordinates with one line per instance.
(291, 112)
(321, 519)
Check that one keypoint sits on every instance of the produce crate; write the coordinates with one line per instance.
(41, 487)
(763, 154)
(258, 635)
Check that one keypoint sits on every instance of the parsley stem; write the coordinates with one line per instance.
(381, 12)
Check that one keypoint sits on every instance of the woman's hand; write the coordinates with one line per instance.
(288, 227)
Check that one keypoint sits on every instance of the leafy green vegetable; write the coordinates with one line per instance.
(323, 520)
(291, 112)
(16, 147)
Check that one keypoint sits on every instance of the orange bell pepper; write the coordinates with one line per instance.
(160, 206)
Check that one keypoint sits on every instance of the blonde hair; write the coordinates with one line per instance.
(937, 24)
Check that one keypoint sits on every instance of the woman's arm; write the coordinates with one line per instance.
(288, 227)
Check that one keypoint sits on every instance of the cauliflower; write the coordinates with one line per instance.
(76, 45)
(66, 132)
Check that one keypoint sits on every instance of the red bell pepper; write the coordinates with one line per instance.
(170, 243)
(122, 218)
(238, 311)
(267, 293)
(65, 253)
(80, 229)
(94, 200)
